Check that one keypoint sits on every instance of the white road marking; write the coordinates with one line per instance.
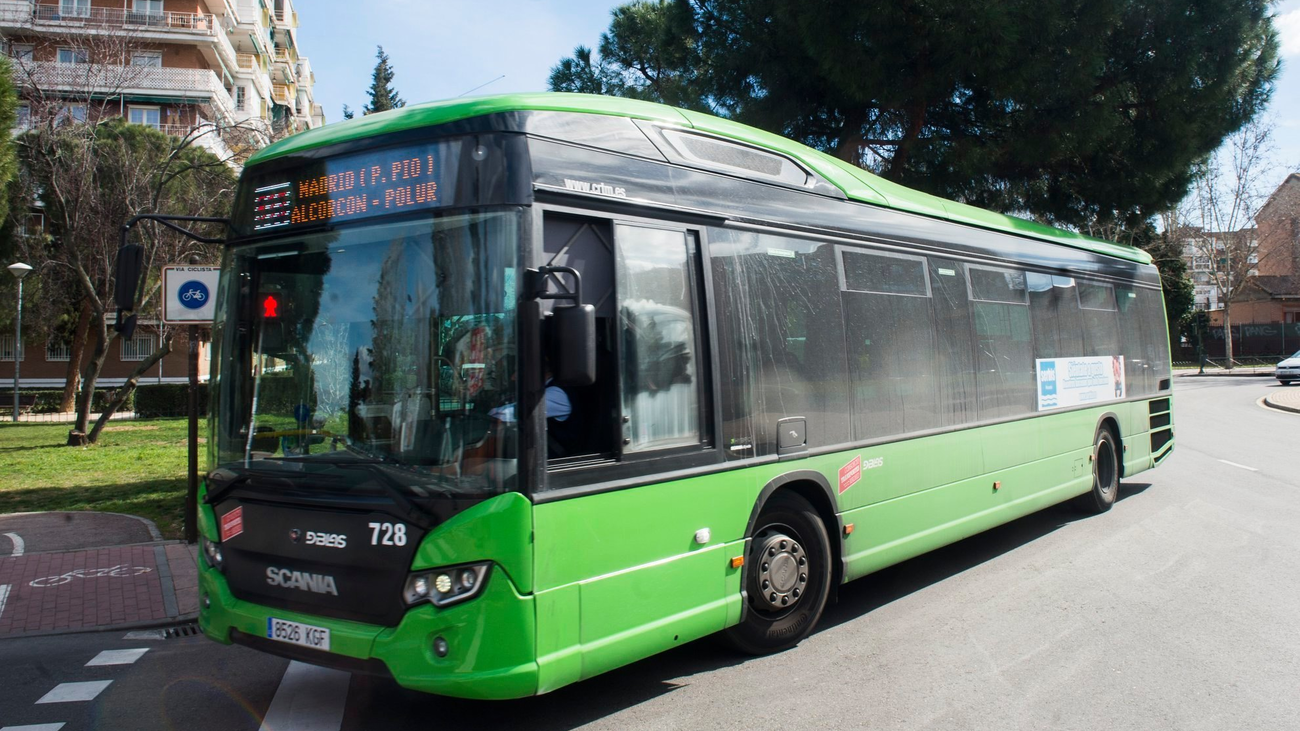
(74, 692)
(35, 727)
(1242, 466)
(117, 657)
(4, 597)
(309, 698)
(19, 546)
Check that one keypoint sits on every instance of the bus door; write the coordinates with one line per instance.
(628, 563)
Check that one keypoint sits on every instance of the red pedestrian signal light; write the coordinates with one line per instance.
(269, 306)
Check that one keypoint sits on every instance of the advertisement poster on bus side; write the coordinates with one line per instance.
(1065, 382)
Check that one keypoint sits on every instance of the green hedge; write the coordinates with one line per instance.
(168, 399)
(48, 400)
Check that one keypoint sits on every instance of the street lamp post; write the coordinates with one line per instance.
(19, 270)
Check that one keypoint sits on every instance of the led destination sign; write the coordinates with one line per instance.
(355, 186)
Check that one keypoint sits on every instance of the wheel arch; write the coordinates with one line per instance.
(816, 489)
(1111, 420)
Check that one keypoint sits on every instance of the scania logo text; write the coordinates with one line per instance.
(302, 581)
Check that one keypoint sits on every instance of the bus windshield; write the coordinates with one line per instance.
(386, 344)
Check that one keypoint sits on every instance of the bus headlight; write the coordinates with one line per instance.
(444, 587)
(212, 554)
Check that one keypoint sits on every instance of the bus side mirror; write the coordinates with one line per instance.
(575, 345)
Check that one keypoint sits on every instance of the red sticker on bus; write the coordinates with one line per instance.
(850, 473)
(232, 523)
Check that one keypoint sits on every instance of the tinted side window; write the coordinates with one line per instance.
(1097, 312)
(1004, 342)
(954, 365)
(780, 339)
(661, 405)
(1152, 305)
(1133, 333)
(891, 347)
(1054, 308)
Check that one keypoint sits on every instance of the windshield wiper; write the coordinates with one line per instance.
(227, 480)
(414, 513)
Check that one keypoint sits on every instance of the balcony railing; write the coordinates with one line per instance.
(281, 94)
(199, 85)
(95, 17)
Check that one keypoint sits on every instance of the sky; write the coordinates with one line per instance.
(446, 48)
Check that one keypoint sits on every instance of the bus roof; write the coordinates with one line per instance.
(857, 184)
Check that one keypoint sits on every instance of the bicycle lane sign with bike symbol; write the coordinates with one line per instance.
(81, 590)
(188, 294)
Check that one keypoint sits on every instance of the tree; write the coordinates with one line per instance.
(383, 96)
(1078, 114)
(1230, 187)
(347, 113)
(91, 177)
(67, 104)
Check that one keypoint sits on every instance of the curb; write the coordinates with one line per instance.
(170, 621)
(1269, 403)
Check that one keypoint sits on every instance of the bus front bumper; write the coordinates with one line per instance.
(490, 651)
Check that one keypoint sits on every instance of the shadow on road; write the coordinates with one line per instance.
(372, 699)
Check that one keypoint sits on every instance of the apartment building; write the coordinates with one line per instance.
(169, 64)
(1205, 253)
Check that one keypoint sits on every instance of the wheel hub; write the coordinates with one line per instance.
(782, 571)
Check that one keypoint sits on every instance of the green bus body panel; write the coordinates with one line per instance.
(497, 529)
(491, 637)
(856, 183)
(618, 576)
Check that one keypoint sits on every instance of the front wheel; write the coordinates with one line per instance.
(1105, 472)
(787, 577)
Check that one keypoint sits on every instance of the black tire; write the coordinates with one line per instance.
(787, 577)
(1105, 472)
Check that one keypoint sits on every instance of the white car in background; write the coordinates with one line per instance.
(1289, 369)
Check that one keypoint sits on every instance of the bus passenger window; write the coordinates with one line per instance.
(661, 388)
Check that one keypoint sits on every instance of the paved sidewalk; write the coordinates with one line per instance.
(70, 572)
(1286, 398)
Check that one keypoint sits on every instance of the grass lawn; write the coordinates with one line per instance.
(138, 467)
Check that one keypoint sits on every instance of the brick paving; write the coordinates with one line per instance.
(75, 590)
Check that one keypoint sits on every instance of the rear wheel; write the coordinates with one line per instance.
(1105, 472)
(787, 577)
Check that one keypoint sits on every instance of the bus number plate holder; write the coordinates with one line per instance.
(295, 633)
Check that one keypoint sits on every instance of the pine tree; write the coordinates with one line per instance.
(383, 96)
(347, 112)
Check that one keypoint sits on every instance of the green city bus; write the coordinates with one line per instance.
(511, 391)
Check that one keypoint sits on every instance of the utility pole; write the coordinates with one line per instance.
(19, 270)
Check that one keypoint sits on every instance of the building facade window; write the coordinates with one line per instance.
(152, 59)
(139, 347)
(240, 98)
(74, 8)
(23, 51)
(73, 55)
(24, 116)
(58, 351)
(148, 116)
(7, 349)
(147, 7)
(71, 113)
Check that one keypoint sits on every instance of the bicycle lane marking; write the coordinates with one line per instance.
(20, 547)
(81, 590)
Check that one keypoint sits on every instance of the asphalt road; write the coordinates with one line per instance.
(1176, 610)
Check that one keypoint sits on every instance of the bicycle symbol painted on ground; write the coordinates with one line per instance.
(121, 570)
